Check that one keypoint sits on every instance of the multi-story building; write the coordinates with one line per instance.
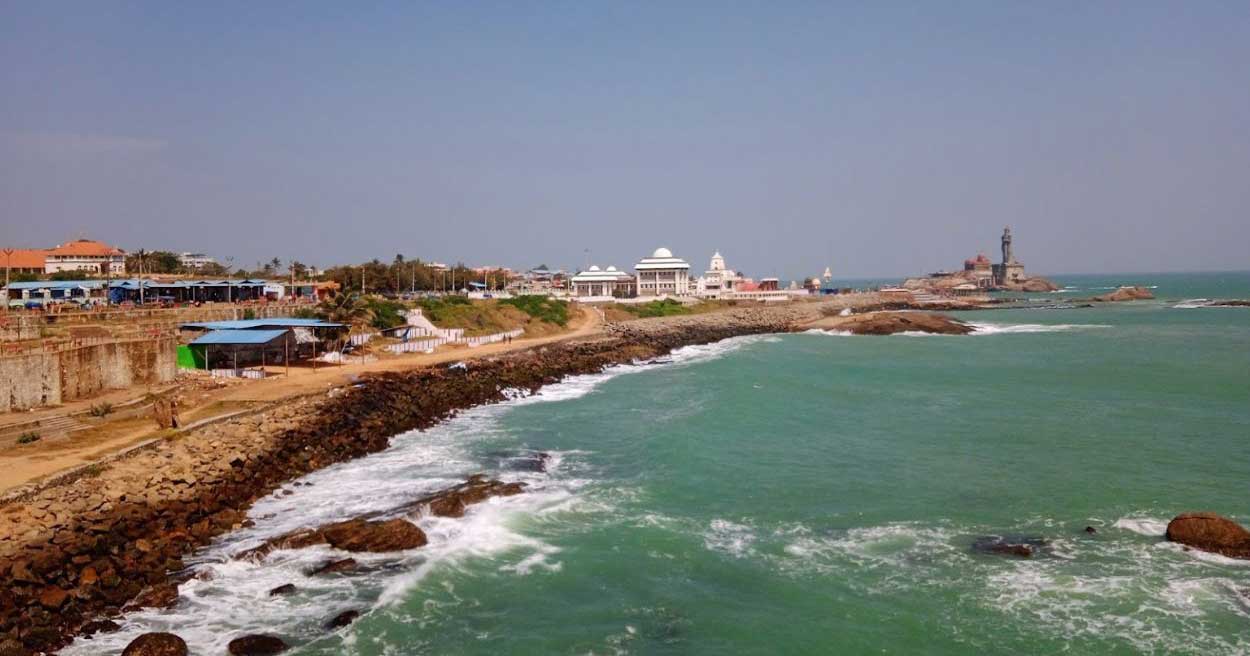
(86, 255)
(663, 275)
(24, 260)
(196, 260)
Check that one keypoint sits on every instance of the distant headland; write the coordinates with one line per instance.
(979, 274)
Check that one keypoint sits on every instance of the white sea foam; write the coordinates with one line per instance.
(827, 333)
(1143, 525)
(729, 537)
(980, 328)
(1193, 303)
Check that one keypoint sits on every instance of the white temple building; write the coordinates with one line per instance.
(717, 281)
(663, 275)
(602, 283)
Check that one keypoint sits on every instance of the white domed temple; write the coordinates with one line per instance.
(663, 275)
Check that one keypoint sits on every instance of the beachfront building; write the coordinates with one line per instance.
(979, 270)
(24, 260)
(86, 255)
(196, 260)
(718, 281)
(663, 275)
(603, 283)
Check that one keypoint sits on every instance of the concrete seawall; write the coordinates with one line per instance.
(36, 379)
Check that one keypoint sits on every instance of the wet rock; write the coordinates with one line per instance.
(343, 619)
(156, 644)
(163, 595)
(1125, 294)
(451, 502)
(256, 645)
(355, 535)
(1017, 546)
(334, 567)
(1091, 530)
(286, 589)
(52, 597)
(891, 323)
(1210, 532)
(99, 626)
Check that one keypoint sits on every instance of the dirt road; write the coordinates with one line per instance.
(29, 463)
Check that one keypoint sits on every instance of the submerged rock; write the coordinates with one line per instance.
(256, 645)
(286, 589)
(334, 567)
(343, 619)
(1018, 546)
(1091, 530)
(156, 644)
(1210, 532)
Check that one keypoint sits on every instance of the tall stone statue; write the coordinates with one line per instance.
(1008, 257)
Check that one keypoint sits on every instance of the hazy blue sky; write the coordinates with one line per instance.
(880, 138)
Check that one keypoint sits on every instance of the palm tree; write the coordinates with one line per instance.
(350, 309)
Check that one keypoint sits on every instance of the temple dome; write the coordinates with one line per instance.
(611, 268)
(594, 267)
(662, 252)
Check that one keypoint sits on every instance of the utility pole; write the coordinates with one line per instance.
(142, 252)
(8, 264)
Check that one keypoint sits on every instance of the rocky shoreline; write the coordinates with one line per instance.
(74, 554)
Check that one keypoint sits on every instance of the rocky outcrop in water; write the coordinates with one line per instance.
(892, 323)
(256, 645)
(156, 644)
(452, 501)
(1125, 294)
(355, 535)
(343, 619)
(1210, 532)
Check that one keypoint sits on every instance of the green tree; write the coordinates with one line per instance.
(343, 307)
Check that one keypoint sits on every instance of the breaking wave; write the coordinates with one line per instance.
(980, 328)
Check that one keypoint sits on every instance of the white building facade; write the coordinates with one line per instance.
(86, 255)
(602, 283)
(196, 260)
(663, 275)
(717, 281)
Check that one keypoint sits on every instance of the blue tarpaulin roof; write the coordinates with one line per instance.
(253, 324)
(227, 337)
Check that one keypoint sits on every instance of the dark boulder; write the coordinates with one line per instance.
(99, 626)
(256, 645)
(451, 502)
(163, 595)
(343, 619)
(156, 644)
(1091, 530)
(355, 535)
(1210, 532)
(286, 589)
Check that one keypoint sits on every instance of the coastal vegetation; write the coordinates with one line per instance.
(541, 308)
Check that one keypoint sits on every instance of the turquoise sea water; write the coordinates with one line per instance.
(811, 494)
